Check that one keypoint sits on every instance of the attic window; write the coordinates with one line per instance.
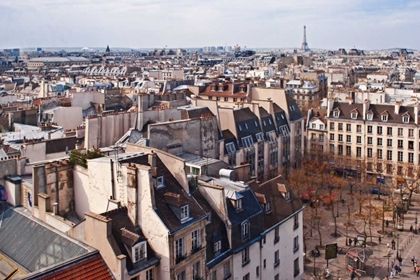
(369, 116)
(336, 114)
(384, 117)
(241, 89)
(259, 136)
(354, 115)
(160, 182)
(213, 88)
(283, 190)
(217, 247)
(185, 213)
(230, 148)
(406, 119)
(238, 204)
(139, 252)
(268, 207)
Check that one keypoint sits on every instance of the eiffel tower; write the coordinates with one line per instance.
(305, 46)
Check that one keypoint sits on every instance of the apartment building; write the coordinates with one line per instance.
(379, 139)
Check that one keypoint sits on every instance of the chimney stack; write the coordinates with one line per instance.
(397, 107)
(152, 159)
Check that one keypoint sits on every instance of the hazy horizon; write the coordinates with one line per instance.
(134, 24)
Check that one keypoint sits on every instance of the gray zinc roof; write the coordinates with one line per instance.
(33, 245)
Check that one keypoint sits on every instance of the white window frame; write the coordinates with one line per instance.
(185, 212)
(268, 207)
(149, 274)
(217, 247)
(245, 230)
(160, 182)
(406, 119)
(336, 114)
(245, 255)
(179, 247)
(259, 136)
(238, 204)
(230, 148)
(384, 118)
(276, 258)
(139, 252)
(369, 116)
(247, 141)
(195, 239)
(353, 115)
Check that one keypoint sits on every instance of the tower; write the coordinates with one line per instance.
(107, 51)
(305, 46)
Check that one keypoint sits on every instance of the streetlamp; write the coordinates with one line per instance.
(398, 242)
(353, 273)
(415, 224)
(373, 272)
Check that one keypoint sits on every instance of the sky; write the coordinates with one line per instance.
(330, 24)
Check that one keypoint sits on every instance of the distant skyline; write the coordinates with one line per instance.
(331, 24)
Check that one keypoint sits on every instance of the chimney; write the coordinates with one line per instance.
(366, 106)
(152, 159)
(43, 206)
(397, 107)
(416, 113)
(248, 93)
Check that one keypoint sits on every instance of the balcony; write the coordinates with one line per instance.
(193, 251)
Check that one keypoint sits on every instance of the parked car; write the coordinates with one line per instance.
(376, 190)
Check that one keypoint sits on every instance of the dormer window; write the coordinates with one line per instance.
(160, 182)
(185, 213)
(369, 116)
(217, 247)
(353, 115)
(139, 252)
(284, 191)
(406, 119)
(384, 117)
(241, 89)
(259, 136)
(213, 88)
(336, 113)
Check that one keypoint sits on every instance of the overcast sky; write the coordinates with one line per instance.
(331, 24)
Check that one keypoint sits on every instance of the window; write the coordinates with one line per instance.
(160, 182)
(379, 154)
(181, 276)
(245, 256)
(336, 114)
(185, 213)
(379, 130)
(389, 168)
(359, 139)
(353, 115)
(217, 247)
(149, 274)
(340, 149)
(384, 118)
(268, 207)
(196, 270)
(247, 141)
(406, 119)
(213, 275)
(257, 271)
(400, 144)
(246, 277)
(400, 132)
(369, 116)
(296, 269)
(321, 138)
(410, 171)
(321, 127)
(313, 136)
(389, 131)
(369, 152)
(195, 239)
(389, 155)
(410, 157)
(411, 145)
(179, 248)
(246, 125)
(340, 127)
(139, 252)
(276, 258)
(239, 127)
(369, 140)
(379, 167)
(399, 170)
(276, 234)
(265, 263)
(358, 151)
(296, 244)
(348, 138)
(379, 141)
(295, 221)
(340, 137)
(348, 127)
(332, 148)
(226, 270)
(348, 150)
(400, 156)
(332, 126)
(359, 128)
(277, 277)
(245, 230)
(331, 137)
(369, 129)
(259, 136)
(230, 148)
(238, 204)
(411, 132)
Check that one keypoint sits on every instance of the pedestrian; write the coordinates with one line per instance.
(387, 245)
(412, 260)
(350, 241)
(417, 270)
(380, 239)
(393, 244)
(411, 228)
(387, 223)
(355, 241)
(400, 260)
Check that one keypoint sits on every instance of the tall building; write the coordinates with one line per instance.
(305, 46)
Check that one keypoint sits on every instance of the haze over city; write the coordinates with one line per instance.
(331, 24)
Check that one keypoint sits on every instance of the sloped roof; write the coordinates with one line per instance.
(33, 245)
(91, 266)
